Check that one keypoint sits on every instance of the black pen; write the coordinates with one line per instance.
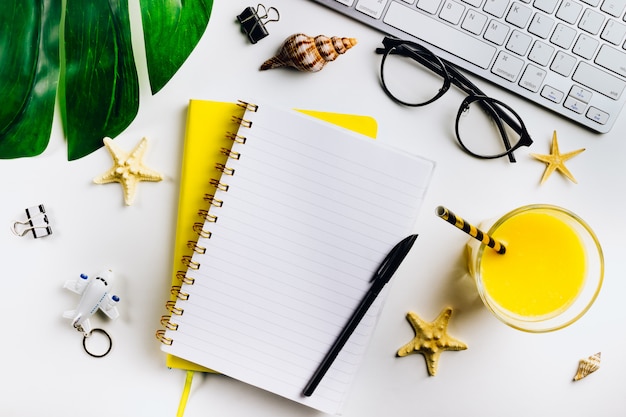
(382, 276)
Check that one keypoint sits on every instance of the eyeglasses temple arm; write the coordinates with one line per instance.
(462, 82)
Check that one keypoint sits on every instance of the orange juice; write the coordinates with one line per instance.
(550, 274)
(543, 269)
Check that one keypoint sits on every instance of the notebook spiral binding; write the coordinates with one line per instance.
(199, 228)
(208, 217)
(183, 278)
(165, 322)
(195, 247)
(176, 291)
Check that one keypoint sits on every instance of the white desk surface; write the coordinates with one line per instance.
(503, 371)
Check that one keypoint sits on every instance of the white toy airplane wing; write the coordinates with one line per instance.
(79, 285)
(108, 306)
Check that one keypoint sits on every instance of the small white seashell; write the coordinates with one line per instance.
(587, 366)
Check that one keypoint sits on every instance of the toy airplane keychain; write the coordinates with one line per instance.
(94, 296)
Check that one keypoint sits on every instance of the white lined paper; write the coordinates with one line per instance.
(310, 212)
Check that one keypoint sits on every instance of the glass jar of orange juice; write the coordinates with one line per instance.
(550, 274)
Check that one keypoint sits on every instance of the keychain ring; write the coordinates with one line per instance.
(88, 335)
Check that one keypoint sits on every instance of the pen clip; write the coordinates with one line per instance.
(394, 258)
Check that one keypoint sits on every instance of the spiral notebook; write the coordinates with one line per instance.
(205, 144)
(302, 215)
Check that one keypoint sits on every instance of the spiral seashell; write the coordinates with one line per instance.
(307, 53)
(587, 366)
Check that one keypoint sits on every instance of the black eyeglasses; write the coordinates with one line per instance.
(412, 75)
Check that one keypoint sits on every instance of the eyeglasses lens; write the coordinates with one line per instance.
(483, 132)
(408, 81)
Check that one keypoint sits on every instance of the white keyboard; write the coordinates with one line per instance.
(566, 55)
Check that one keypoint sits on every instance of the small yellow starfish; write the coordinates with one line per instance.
(556, 160)
(128, 169)
(431, 339)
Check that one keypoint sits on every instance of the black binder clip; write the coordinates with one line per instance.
(37, 223)
(253, 22)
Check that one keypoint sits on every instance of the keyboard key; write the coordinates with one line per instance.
(372, 8)
(496, 32)
(613, 7)
(507, 66)
(552, 94)
(496, 7)
(541, 53)
(541, 25)
(581, 94)
(569, 11)
(519, 42)
(547, 6)
(532, 78)
(452, 12)
(574, 105)
(346, 2)
(614, 32)
(474, 22)
(429, 6)
(519, 15)
(563, 36)
(599, 80)
(597, 115)
(585, 46)
(591, 21)
(435, 32)
(612, 59)
(563, 64)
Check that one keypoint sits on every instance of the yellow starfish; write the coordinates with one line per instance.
(128, 169)
(431, 339)
(556, 160)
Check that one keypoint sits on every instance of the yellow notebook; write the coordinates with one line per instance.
(205, 139)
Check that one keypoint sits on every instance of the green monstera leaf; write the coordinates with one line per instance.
(98, 88)
(100, 74)
(171, 31)
(29, 74)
